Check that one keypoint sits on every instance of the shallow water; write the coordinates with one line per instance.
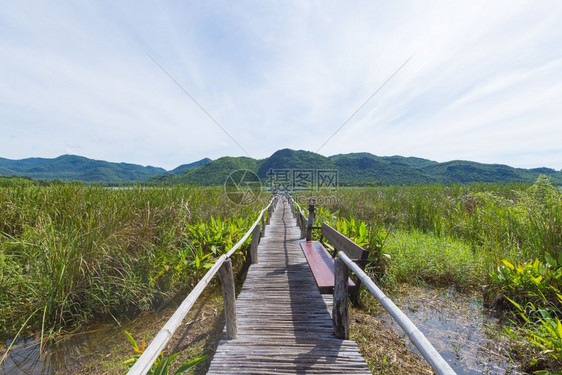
(454, 323)
(63, 356)
(458, 327)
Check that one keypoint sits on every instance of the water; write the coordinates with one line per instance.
(458, 327)
(454, 323)
(63, 356)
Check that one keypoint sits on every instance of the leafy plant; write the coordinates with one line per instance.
(162, 364)
(541, 328)
(533, 282)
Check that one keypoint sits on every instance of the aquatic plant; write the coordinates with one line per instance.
(162, 364)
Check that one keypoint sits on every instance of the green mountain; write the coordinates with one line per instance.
(353, 169)
(72, 167)
(460, 171)
(186, 167)
(212, 173)
(362, 169)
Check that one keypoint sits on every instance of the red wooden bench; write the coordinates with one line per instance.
(321, 261)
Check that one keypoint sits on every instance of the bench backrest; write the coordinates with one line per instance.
(342, 243)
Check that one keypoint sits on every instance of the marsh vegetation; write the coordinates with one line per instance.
(73, 254)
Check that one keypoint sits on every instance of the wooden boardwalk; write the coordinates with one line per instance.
(284, 323)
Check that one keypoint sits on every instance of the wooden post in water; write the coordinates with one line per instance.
(340, 313)
(229, 298)
(254, 244)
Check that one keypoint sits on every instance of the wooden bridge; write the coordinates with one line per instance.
(284, 323)
(280, 323)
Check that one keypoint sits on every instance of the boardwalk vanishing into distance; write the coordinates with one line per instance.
(281, 323)
(284, 323)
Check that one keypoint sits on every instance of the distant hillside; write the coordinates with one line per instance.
(363, 169)
(186, 167)
(211, 173)
(72, 167)
(353, 169)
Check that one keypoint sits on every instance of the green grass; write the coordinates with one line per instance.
(79, 252)
(464, 236)
(74, 253)
(425, 258)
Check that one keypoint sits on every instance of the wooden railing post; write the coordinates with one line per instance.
(229, 298)
(293, 211)
(270, 212)
(310, 223)
(302, 224)
(340, 313)
(262, 225)
(254, 244)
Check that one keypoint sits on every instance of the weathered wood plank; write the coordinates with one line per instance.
(340, 313)
(229, 297)
(284, 323)
(321, 264)
(254, 244)
(342, 243)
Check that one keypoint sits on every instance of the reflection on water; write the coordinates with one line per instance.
(63, 356)
(457, 326)
(24, 358)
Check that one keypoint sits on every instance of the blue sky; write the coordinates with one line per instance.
(484, 83)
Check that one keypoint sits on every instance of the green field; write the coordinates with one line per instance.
(72, 254)
(504, 241)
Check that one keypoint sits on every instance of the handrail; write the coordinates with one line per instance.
(299, 214)
(243, 239)
(414, 334)
(427, 350)
(151, 353)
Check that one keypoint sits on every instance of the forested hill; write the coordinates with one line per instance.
(77, 168)
(353, 169)
(362, 169)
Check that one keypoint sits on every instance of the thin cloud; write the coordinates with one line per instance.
(484, 84)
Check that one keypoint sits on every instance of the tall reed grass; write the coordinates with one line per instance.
(76, 252)
(511, 221)
(505, 240)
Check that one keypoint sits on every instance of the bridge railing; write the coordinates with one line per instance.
(222, 266)
(340, 316)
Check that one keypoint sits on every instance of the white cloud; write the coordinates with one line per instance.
(484, 83)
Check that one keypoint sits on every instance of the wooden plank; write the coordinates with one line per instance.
(322, 265)
(254, 244)
(229, 297)
(342, 243)
(284, 323)
(340, 313)
(302, 223)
